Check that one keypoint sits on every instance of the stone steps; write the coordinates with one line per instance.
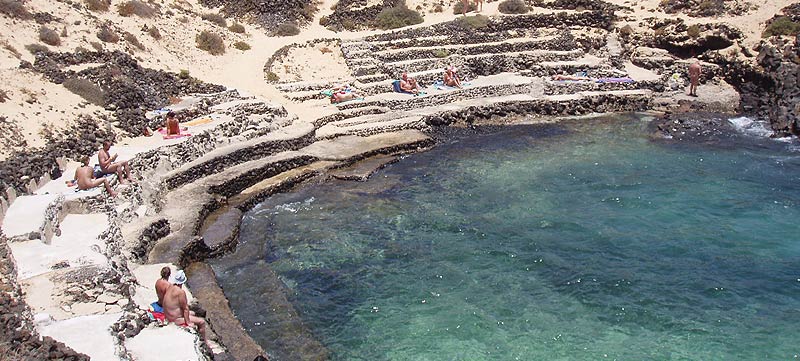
(547, 43)
(365, 127)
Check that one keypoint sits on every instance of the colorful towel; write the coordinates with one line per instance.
(397, 89)
(615, 80)
(176, 136)
(198, 121)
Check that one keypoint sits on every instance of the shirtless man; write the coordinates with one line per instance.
(85, 177)
(176, 307)
(451, 78)
(694, 78)
(162, 284)
(409, 84)
(108, 164)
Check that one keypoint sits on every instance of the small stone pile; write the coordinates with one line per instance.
(267, 13)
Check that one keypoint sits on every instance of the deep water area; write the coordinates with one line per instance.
(581, 240)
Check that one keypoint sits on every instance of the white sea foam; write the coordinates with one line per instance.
(294, 207)
(749, 126)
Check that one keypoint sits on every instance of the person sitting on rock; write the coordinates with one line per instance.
(409, 84)
(451, 78)
(85, 178)
(109, 166)
(176, 306)
(173, 127)
(162, 284)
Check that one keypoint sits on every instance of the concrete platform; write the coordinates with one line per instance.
(147, 275)
(90, 335)
(26, 215)
(163, 343)
(78, 245)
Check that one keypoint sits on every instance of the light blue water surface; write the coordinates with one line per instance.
(583, 240)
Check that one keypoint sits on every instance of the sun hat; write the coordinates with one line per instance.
(178, 278)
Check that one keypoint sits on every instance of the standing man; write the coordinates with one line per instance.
(694, 77)
(108, 164)
(176, 307)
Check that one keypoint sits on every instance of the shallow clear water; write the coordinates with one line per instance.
(578, 241)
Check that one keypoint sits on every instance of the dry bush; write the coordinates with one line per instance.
(626, 30)
(3, 96)
(438, 8)
(693, 31)
(241, 45)
(96, 46)
(216, 19)
(513, 7)
(210, 42)
(10, 49)
(272, 76)
(15, 9)
(458, 8)
(49, 36)
(397, 17)
(136, 7)
(237, 28)
(326, 50)
(154, 33)
(441, 53)
(782, 25)
(36, 48)
(287, 29)
(184, 74)
(97, 5)
(86, 89)
(107, 35)
(131, 39)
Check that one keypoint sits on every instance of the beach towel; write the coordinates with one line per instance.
(176, 136)
(397, 89)
(156, 313)
(351, 100)
(615, 80)
(198, 121)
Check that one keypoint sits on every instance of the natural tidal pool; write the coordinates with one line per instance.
(581, 240)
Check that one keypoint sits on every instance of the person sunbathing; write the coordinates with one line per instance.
(85, 178)
(176, 306)
(570, 77)
(451, 78)
(409, 84)
(343, 96)
(162, 284)
(109, 166)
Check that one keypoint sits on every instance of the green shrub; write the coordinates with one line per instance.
(513, 7)
(782, 25)
(241, 45)
(441, 53)
(693, 31)
(49, 36)
(97, 5)
(210, 42)
(324, 20)
(107, 35)
(458, 7)
(88, 90)
(136, 7)
(473, 22)
(216, 19)
(131, 39)
(272, 76)
(287, 29)
(397, 17)
(184, 74)
(15, 9)
(36, 48)
(236, 28)
(154, 33)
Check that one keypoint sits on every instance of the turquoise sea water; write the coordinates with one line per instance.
(583, 240)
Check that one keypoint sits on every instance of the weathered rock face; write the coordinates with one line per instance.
(597, 5)
(267, 13)
(700, 8)
(703, 127)
(685, 41)
(781, 63)
(128, 89)
(18, 340)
